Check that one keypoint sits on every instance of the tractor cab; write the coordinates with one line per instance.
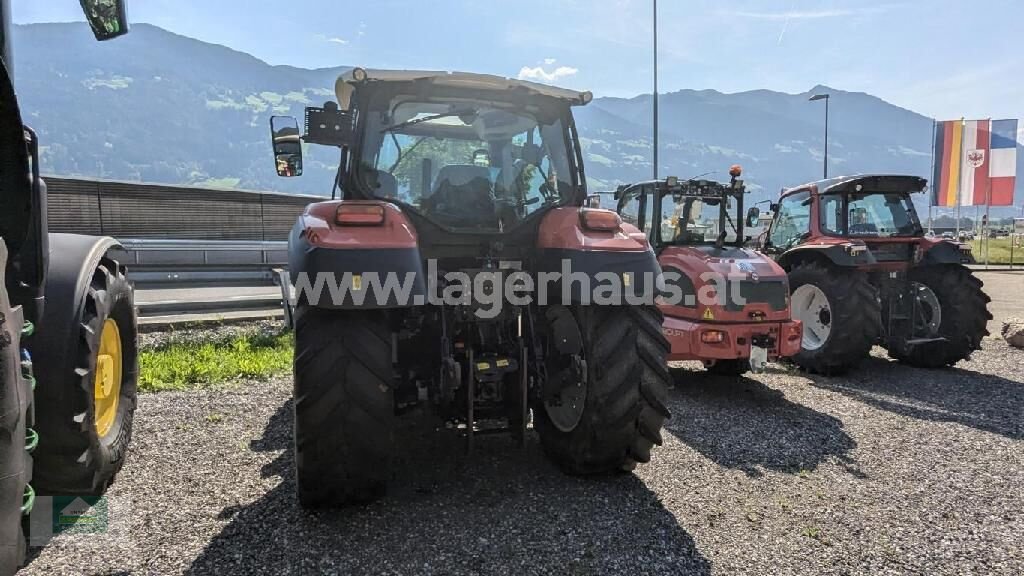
(458, 153)
(724, 304)
(696, 213)
(871, 221)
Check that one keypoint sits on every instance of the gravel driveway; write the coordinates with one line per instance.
(889, 470)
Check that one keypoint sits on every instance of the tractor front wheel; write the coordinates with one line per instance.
(344, 406)
(610, 404)
(86, 397)
(841, 317)
(955, 308)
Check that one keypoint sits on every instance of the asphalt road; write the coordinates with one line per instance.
(1006, 289)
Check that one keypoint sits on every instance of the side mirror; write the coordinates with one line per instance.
(752, 215)
(107, 18)
(284, 130)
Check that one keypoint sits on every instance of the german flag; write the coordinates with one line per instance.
(949, 136)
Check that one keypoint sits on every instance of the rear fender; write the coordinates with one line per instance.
(945, 252)
(845, 255)
(574, 256)
(342, 267)
(73, 260)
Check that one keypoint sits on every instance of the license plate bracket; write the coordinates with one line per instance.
(758, 358)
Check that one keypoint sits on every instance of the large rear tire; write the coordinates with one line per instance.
(344, 406)
(841, 316)
(626, 386)
(963, 316)
(15, 462)
(86, 397)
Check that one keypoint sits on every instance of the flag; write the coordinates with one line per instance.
(1003, 164)
(974, 163)
(948, 152)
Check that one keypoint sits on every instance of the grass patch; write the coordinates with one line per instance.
(998, 251)
(178, 365)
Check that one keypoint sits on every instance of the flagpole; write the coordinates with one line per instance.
(931, 175)
(988, 193)
(960, 178)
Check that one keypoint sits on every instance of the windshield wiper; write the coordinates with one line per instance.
(426, 119)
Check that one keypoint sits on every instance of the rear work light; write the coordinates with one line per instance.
(600, 220)
(712, 336)
(796, 331)
(359, 215)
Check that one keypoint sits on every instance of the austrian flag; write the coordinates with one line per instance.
(1003, 162)
(974, 178)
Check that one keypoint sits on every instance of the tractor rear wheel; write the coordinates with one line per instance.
(344, 406)
(85, 401)
(610, 415)
(15, 461)
(841, 316)
(962, 316)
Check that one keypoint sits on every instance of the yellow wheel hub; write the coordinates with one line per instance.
(108, 378)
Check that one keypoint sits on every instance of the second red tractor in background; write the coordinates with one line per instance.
(724, 304)
(863, 273)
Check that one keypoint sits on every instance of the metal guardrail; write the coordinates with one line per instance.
(169, 265)
(181, 236)
(167, 261)
(158, 211)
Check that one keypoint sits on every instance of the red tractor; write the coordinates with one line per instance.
(724, 304)
(862, 272)
(458, 265)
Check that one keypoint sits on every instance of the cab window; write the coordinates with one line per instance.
(793, 220)
(635, 208)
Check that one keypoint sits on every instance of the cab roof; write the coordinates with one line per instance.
(466, 80)
(872, 182)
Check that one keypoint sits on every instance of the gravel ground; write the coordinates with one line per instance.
(888, 470)
(207, 332)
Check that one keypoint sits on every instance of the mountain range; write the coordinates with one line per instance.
(155, 106)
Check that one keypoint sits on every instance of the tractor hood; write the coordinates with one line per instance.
(755, 287)
(728, 261)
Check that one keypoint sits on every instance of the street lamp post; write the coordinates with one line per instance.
(826, 98)
(655, 120)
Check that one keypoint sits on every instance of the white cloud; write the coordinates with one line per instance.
(788, 15)
(539, 74)
(331, 39)
(549, 61)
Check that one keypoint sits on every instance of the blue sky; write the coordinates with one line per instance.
(944, 58)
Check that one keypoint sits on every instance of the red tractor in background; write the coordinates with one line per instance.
(724, 304)
(862, 273)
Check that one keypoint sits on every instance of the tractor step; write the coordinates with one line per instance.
(28, 501)
(919, 341)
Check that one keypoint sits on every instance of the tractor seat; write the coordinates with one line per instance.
(462, 197)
